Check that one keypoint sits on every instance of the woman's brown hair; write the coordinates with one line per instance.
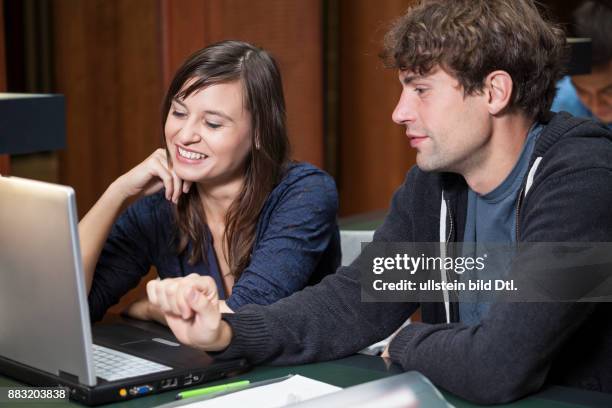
(222, 62)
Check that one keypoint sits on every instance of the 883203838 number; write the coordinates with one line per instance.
(33, 394)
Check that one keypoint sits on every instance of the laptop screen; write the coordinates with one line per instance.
(44, 317)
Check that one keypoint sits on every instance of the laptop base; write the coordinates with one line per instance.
(109, 392)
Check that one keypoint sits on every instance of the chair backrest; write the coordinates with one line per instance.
(350, 241)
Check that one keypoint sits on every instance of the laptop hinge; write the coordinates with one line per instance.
(68, 377)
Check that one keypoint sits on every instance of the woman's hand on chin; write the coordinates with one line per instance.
(150, 176)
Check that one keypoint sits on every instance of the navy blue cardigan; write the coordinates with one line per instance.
(297, 243)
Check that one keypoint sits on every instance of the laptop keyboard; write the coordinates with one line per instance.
(113, 365)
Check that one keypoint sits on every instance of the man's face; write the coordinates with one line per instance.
(449, 130)
(595, 91)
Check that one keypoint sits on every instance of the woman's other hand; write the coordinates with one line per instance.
(143, 309)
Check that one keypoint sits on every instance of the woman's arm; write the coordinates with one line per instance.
(96, 225)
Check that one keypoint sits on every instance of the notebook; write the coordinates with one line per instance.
(45, 332)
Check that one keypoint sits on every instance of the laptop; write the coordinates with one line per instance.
(45, 332)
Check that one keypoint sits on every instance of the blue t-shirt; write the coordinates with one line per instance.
(296, 244)
(491, 218)
(568, 100)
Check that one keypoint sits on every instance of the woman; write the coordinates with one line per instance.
(221, 200)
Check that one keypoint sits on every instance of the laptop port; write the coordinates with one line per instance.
(188, 380)
(140, 390)
(168, 383)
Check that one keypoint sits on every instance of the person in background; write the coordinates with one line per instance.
(220, 200)
(590, 95)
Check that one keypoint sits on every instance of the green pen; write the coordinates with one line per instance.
(210, 390)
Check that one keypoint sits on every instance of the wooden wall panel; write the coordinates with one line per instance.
(290, 30)
(107, 64)
(5, 164)
(84, 41)
(182, 33)
(4, 159)
(139, 81)
(374, 153)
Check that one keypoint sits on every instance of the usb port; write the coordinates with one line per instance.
(168, 383)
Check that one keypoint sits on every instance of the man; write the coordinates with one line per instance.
(477, 78)
(590, 95)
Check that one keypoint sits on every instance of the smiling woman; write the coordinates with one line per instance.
(221, 200)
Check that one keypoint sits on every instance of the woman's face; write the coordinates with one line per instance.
(208, 134)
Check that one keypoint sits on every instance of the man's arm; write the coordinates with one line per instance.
(321, 322)
(505, 357)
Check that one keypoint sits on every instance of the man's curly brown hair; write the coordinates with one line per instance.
(472, 38)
